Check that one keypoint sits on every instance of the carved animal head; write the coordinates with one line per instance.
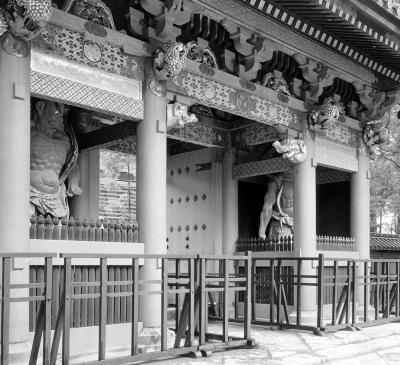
(293, 150)
(328, 112)
(169, 60)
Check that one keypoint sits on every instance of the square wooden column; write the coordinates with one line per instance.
(15, 178)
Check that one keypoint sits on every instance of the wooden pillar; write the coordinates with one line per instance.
(230, 204)
(304, 218)
(359, 206)
(359, 214)
(151, 198)
(86, 205)
(15, 177)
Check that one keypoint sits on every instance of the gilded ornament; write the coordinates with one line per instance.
(204, 56)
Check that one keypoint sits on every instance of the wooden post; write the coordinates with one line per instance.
(387, 299)
(247, 297)
(47, 309)
(5, 311)
(272, 291)
(353, 295)
(226, 301)
(191, 301)
(377, 299)
(298, 306)
(203, 302)
(135, 306)
(348, 292)
(397, 288)
(67, 311)
(320, 314)
(103, 309)
(366, 291)
(335, 290)
(164, 306)
(278, 291)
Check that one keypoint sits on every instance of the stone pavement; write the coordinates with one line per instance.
(371, 346)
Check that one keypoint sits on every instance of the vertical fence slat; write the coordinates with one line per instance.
(164, 305)
(272, 291)
(103, 308)
(366, 291)
(203, 302)
(177, 296)
(377, 289)
(298, 294)
(348, 298)
(47, 310)
(320, 314)
(247, 297)
(226, 300)
(387, 299)
(278, 291)
(5, 311)
(135, 306)
(67, 311)
(353, 296)
(191, 301)
(397, 288)
(335, 290)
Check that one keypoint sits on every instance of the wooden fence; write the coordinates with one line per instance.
(339, 285)
(51, 228)
(333, 243)
(195, 281)
(256, 244)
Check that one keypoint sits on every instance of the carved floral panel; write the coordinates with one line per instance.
(226, 98)
(74, 47)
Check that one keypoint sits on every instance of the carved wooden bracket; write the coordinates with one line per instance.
(317, 74)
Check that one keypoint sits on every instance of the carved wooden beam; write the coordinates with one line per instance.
(107, 135)
(264, 167)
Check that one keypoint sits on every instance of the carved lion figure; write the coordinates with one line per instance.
(321, 116)
(292, 149)
(169, 60)
(375, 134)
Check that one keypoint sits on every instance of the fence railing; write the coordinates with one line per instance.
(191, 279)
(333, 243)
(74, 229)
(346, 292)
(256, 244)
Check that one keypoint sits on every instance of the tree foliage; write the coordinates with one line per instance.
(385, 179)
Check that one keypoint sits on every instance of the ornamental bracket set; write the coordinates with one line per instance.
(22, 21)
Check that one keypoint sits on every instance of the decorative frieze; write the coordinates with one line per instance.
(75, 47)
(337, 156)
(82, 95)
(197, 133)
(256, 134)
(217, 95)
(342, 134)
(263, 167)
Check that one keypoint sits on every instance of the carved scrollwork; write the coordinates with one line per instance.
(203, 56)
(22, 21)
(94, 11)
(277, 83)
(178, 115)
(294, 150)
(322, 115)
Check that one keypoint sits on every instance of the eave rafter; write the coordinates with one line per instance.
(335, 24)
